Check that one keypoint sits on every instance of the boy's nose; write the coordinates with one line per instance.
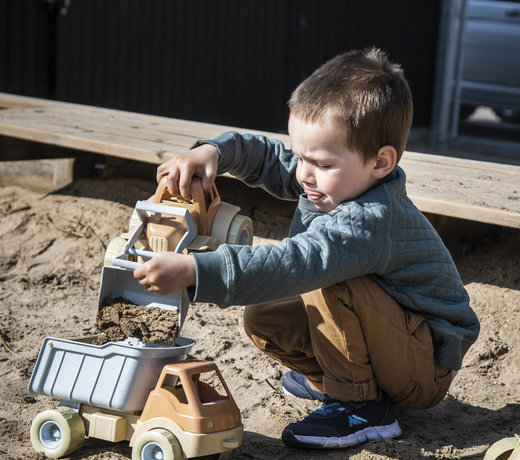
(304, 173)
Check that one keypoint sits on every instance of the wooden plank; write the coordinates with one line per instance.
(467, 189)
(465, 164)
(139, 137)
(179, 126)
(92, 142)
(56, 120)
(474, 213)
(15, 101)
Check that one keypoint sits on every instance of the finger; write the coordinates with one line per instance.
(209, 177)
(139, 273)
(144, 282)
(185, 185)
(162, 170)
(172, 182)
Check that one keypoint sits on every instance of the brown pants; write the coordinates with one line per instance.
(350, 339)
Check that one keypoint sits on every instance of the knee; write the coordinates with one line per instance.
(265, 319)
(252, 317)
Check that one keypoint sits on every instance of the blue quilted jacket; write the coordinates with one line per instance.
(380, 234)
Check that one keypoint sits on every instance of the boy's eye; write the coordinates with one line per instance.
(322, 166)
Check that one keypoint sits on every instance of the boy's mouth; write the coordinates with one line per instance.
(313, 195)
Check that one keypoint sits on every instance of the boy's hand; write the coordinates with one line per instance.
(201, 161)
(167, 272)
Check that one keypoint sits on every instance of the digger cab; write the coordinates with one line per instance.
(165, 231)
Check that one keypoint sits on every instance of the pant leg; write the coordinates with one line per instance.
(281, 330)
(363, 339)
(349, 339)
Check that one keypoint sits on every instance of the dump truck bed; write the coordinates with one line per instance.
(115, 376)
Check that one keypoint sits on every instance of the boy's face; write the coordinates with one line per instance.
(328, 172)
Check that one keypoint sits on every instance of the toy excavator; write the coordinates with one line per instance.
(167, 223)
(165, 406)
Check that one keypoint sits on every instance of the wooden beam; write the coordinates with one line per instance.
(475, 190)
(466, 211)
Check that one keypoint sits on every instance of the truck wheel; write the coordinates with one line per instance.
(157, 445)
(240, 231)
(502, 450)
(134, 221)
(115, 248)
(57, 433)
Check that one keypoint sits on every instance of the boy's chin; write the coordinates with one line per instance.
(324, 206)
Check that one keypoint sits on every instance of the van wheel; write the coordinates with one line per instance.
(157, 445)
(57, 433)
(240, 231)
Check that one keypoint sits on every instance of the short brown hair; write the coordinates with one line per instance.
(366, 94)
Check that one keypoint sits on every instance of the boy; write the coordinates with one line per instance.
(363, 301)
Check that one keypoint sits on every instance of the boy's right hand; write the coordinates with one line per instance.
(201, 161)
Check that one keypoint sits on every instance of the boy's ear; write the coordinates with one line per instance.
(385, 161)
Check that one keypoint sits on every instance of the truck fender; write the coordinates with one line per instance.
(157, 422)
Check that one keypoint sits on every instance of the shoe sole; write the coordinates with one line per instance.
(288, 393)
(308, 397)
(370, 433)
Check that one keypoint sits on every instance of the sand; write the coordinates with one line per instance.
(119, 319)
(52, 249)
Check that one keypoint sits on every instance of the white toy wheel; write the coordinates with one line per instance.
(134, 221)
(240, 231)
(57, 433)
(502, 450)
(157, 445)
(115, 248)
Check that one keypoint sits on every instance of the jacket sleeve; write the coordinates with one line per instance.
(258, 161)
(318, 257)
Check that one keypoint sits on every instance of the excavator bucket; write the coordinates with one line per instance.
(117, 280)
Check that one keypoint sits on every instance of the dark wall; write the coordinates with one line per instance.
(26, 51)
(223, 61)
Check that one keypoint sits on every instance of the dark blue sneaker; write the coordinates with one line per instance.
(338, 424)
(294, 384)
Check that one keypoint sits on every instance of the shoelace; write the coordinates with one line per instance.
(329, 406)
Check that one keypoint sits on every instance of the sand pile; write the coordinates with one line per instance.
(120, 319)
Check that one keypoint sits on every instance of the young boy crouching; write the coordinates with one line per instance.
(362, 301)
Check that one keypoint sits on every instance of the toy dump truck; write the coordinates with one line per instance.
(105, 394)
(166, 407)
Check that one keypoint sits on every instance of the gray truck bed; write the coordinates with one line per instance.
(114, 376)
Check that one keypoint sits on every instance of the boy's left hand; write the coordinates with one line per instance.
(167, 272)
